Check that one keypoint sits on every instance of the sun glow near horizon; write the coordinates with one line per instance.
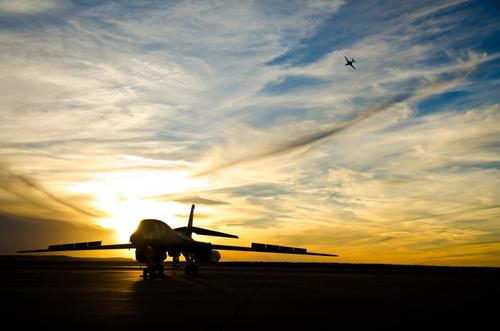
(127, 197)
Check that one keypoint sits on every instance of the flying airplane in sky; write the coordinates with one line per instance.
(154, 240)
(349, 63)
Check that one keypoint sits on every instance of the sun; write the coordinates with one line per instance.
(130, 196)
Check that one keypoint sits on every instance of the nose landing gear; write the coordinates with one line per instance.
(153, 271)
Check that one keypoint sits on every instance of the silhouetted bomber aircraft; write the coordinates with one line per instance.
(349, 63)
(154, 239)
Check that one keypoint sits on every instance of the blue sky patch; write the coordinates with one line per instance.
(292, 84)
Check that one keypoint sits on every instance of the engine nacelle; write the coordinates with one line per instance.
(214, 256)
(207, 256)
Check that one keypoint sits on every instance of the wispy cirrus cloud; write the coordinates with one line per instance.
(29, 6)
(28, 209)
(24, 193)
(431, 86)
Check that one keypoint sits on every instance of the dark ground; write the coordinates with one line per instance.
(63, 293)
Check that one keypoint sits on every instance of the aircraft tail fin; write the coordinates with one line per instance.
(190, 229)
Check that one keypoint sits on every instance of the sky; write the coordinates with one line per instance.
(116, 111)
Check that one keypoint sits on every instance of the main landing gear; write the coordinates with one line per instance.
(191, 267)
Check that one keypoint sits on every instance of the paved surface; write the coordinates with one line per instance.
(230, 297)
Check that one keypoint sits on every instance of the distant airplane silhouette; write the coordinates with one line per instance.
(349, 63)
(154, 239)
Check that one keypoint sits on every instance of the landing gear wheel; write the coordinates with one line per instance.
(153, 272)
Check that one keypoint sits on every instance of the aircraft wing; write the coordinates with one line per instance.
(83, 246)
(346, 58)
(266, 248)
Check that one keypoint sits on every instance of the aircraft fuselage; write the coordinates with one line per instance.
(158, 234)
(153, 239)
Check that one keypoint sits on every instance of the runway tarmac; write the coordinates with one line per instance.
(76, 294)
